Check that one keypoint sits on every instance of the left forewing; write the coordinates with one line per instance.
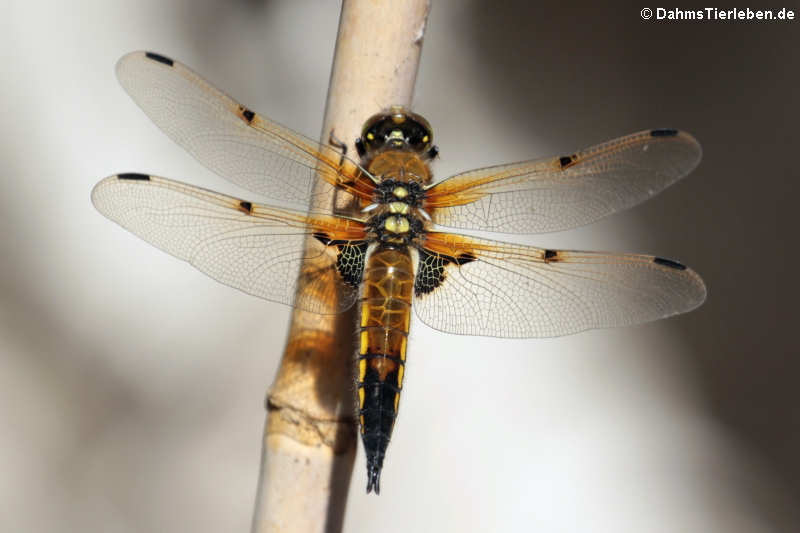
(483, 287)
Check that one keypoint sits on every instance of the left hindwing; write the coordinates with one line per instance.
(473, 286)
(255, 248)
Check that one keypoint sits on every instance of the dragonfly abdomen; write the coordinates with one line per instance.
(383, 334)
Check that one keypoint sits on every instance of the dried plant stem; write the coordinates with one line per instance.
(310, 434)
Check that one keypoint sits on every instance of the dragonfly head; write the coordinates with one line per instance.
(398, 129)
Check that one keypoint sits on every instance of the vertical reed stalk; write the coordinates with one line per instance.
(310, 433)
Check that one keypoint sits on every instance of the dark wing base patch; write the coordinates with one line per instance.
(431, 271)
(350, 259)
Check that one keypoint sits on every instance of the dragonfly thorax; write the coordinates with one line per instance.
(396, 224)
(396, 211)
(391, 227)
(393, 191)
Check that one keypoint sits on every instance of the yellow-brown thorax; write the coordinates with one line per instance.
(400, 166)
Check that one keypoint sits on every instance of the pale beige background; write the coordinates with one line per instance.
(131, 386)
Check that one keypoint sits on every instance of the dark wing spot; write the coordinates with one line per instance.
(158, 57)
(350, 261)
(663, 133)
(465, 258)
(247, 115)
(322, 237)
(246, 207)
(668, 263)
(431, 270)
(551, 256)
(133, 176)
(567, 160)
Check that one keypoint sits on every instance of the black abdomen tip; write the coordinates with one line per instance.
(669, 263)
(158, 57)
(373, 478)
(133, 176)
(663, 132)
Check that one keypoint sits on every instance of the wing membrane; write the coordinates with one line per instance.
(508, 290)
(233, 141)
(254, 248)
(565, 192)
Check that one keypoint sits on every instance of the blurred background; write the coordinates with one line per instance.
(132, 386)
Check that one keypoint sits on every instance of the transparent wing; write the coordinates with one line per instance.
(559, 193)
(233, 141)
(257, 249)
(508, 290)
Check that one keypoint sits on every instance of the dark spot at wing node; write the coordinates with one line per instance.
(247, 114)
(551, 256)
(669, 263)
(567, 160)
(158, 57)
(133, 176)
(663, 132)
(246, 207)
(431, 270)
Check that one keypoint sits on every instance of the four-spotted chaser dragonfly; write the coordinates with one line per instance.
(388, 252)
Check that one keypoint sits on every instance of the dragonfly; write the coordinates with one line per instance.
(388, 253)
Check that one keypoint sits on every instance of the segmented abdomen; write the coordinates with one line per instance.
(383, 333)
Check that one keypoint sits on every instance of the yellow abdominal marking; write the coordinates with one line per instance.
(396, 400)
(361, 399)
(362, 369)
(396, 224)
(364, 314)
(398, 207)
(400, 370)
(400, 192)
